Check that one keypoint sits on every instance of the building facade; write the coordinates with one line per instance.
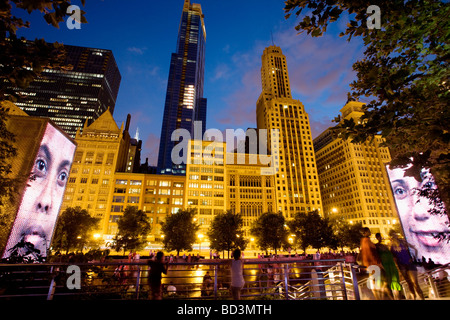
(184, 103)
(353, 178)
(296, 181)
(69, 98)
(102, 150)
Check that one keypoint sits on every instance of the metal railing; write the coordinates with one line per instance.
(286, 278)
(435, 283)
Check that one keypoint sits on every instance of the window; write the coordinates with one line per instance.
(110, 159)
(83, 180)
(134, 190)
(135, 182)
(177, 201)
(133, 199)
(120, 199)
(120, 190)
(115, 208)
(118, 181)
(89, 158)
(99, 158)
(164, 191)
(78, 157)
(164, 183)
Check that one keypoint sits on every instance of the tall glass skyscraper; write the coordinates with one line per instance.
(184, 98)
(69, 98)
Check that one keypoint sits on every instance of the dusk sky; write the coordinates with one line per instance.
(143, 35)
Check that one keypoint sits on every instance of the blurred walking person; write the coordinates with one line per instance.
(157, 268)
(369, 257)
(392, 285)
(405, 265)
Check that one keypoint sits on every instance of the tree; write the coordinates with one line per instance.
(179, 231)
(226, 233)
(404, 73)
(133, 229)
(73, 229)
(346, 234)
(311, 229)
(269, 231)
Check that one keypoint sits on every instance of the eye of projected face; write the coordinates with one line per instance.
(62, 178)
(400, 191)
(41, 167)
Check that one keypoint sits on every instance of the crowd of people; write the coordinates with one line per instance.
(385, 264)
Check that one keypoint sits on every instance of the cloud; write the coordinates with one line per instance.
(222, 71)
(136, 50)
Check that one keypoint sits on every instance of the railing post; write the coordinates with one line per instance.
(355, 283)
(215, 281)
(138, 281)
(343, 281)
(286, 279)
(51, 290)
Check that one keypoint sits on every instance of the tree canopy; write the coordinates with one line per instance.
(270, 231)
(73, 229)
(404, 73)
(133, 229)
(180, 231)
(311, 229)
(226, 233)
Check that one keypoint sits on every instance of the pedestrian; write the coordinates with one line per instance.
(157, 268)
(237, 275)
(390, 270)
(368, 256)
(405, 265)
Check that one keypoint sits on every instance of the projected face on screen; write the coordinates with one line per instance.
(42, 198)
(419, 225)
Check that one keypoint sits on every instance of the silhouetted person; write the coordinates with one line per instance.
(157, 268)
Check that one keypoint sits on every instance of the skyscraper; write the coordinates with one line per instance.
(184, 98)
(353, 180)
(69, 98)
(297, 181)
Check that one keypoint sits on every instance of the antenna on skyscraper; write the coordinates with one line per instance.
(271, 35)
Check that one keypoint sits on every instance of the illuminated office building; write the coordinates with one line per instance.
(69, 98)
(184, 97)
(249, 192)
(353, 179)
(296, 182)
(102, 150)
(205, 180)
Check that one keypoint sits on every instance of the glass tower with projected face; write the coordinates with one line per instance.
(297, 181)
(184, 98)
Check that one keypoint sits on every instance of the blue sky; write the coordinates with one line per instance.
(143, 34)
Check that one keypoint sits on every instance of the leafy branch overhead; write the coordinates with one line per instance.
(404, 73)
